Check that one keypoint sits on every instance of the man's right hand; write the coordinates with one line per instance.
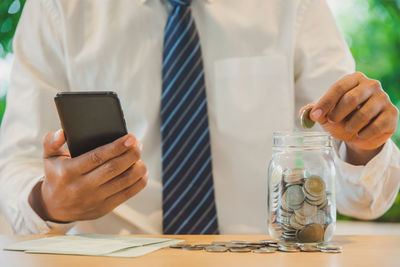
(91, 185)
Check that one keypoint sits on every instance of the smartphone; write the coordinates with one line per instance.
(90, 119)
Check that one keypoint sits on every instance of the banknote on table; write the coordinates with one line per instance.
(94, 245)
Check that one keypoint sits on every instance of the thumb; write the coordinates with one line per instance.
(53, 144)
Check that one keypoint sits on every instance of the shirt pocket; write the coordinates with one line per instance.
(252, 96)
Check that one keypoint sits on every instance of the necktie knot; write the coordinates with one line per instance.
(180, 2)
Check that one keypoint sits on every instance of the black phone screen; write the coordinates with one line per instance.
(90, 119)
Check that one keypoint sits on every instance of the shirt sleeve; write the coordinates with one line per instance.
(321, 58)
(38, 72)
(366, 192)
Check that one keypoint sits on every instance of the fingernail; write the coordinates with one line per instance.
(316, 114)
(140, 146)
(57, 134)
(130, 141)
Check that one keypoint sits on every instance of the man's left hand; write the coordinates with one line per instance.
(357, 110)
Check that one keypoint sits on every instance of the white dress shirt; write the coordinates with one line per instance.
(263, 60)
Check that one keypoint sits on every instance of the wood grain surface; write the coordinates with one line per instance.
(375, 250)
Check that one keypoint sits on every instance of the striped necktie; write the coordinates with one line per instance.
(188, 190)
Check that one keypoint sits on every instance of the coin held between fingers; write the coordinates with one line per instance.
(306, 120)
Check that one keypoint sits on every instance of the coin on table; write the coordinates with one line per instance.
(268, 241)
(315, 244)
(331, 250)
(192, 248)
(309, 248)
(265, 250)
(255, 246)
(216, 249)
(259, 243)
(330, 247)
(239, 249)
(239, 242)
(236, 245)
(202, 245)
(286, 248)
(180, 246)
(315, 186)
(306, 120)
(311, 233)
(220, 243)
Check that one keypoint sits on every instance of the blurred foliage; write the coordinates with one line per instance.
(372, 30)
(2, 107)
(10, 12)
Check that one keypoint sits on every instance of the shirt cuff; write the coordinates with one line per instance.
(355, 173)
(33, 221)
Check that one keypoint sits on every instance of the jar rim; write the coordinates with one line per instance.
(302, 140)
(301, 134)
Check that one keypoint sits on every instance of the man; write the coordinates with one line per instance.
(259, 63)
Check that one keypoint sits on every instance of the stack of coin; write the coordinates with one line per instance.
(262, 246)
(330, 248)
(300, 209)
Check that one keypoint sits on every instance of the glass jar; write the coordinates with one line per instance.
(301, 188)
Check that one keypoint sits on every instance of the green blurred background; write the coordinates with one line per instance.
(370, 27)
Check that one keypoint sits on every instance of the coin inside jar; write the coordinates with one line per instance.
(311, 233)
(301, 187)
(293, 196)
(306, 210)
(315, 186)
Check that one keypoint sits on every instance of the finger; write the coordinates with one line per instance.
(113, 167)
(53, 144)
(304, 108)
(384, 124)
(349, 102)
(331, 98)
(96, 157)
(365, 115)
(113, 201)
(123, 181)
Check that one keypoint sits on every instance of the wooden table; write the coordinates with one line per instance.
(378, 251)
